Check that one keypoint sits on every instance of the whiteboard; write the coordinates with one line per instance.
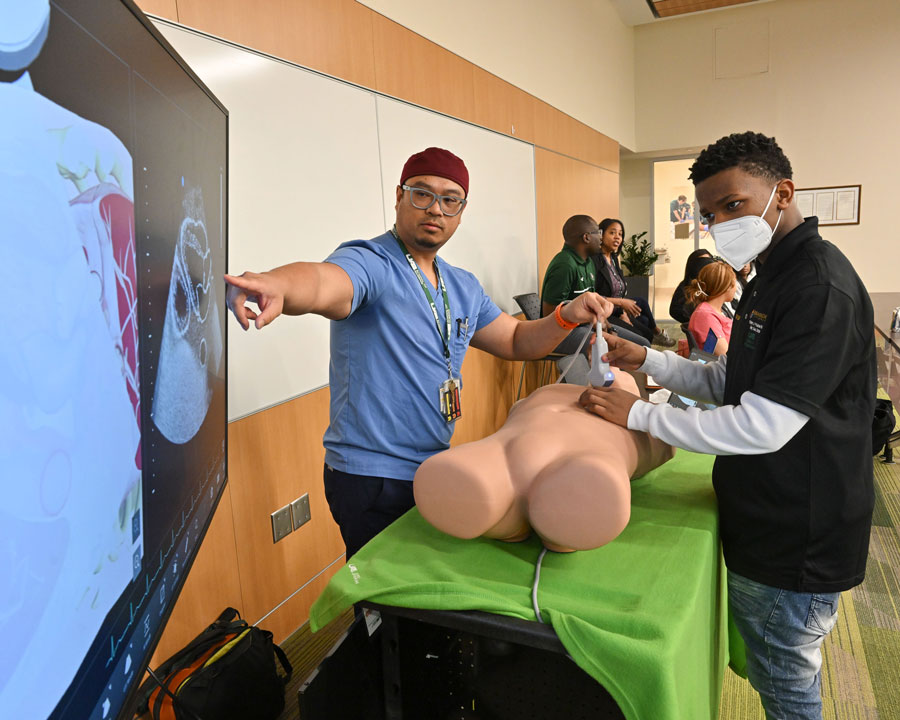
(497, 237)
(295, 137)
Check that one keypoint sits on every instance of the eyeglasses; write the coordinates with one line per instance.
(598, 231)
(423, 199)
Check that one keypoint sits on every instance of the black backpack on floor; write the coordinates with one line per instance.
(882, 424)
(227, 672)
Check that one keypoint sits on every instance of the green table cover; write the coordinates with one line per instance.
(645, 615)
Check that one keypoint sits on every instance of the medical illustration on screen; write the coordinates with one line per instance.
(70, 454)
(113, 207)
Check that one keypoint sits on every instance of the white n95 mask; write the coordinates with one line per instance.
(741, 240)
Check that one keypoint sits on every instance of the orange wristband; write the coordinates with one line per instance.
(563, 323)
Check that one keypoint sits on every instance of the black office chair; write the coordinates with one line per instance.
(530, 303)
(691, 340)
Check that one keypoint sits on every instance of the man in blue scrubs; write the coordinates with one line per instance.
(403, 319)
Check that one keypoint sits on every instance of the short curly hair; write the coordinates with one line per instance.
(753, 152)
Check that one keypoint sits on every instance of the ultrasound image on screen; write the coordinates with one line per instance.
(112, 370)
(192, 336)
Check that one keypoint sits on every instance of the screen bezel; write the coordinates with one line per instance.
(129, 704)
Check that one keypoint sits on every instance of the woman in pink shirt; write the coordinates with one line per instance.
(713, 286)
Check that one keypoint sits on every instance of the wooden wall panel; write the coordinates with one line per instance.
(567, 187)
(557, 131)
(277, 457)
(162, 8)
(503, 107)
(211, 586)
(489, 388)
(333, 36)
(410, 67)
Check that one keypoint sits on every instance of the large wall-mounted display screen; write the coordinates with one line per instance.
(113, 161)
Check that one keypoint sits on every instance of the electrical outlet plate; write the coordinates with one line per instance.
(281, 523)
(300, 510)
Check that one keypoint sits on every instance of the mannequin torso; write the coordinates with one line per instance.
(552, 467)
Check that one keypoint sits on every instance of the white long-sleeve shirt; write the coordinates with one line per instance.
(754, 427)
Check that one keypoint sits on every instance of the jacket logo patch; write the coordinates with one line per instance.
(755, 322)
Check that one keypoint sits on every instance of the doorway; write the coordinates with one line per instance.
(676, 226)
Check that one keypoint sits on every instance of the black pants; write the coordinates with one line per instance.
(644, 324)
(364, 505)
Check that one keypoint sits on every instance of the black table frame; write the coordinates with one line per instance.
(471, 631)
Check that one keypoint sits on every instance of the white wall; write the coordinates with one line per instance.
(822, 76)
(634, 194)
(830, 96)
(577, 56)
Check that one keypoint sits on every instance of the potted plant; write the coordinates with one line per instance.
(636, 258)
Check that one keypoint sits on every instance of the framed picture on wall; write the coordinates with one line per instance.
(832, 205)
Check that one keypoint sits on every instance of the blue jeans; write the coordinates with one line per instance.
(783, 631)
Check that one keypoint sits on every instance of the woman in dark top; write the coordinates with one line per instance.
(695, 262)
(631, 313)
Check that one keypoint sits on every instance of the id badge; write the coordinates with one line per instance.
(450, 405)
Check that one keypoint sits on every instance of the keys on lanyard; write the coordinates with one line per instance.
(448, 393)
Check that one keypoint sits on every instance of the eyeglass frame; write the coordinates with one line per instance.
(435, 198)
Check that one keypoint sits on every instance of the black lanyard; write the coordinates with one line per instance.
(445, 336)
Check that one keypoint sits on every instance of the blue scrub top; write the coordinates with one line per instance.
(387, 360)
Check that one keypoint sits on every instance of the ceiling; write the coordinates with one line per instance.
(641, 12)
